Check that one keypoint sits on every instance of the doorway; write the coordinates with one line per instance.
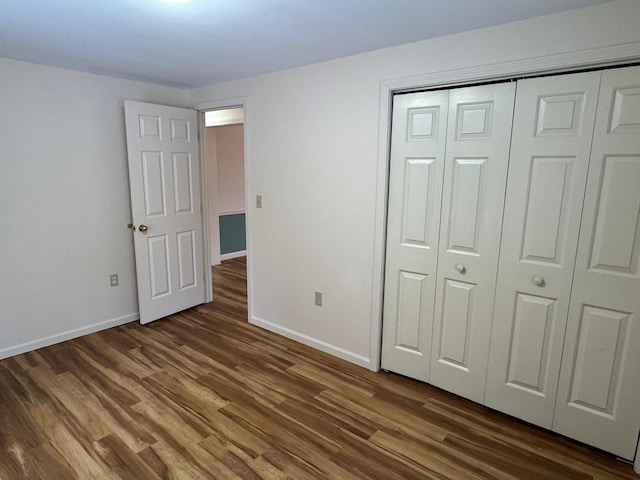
(223, 153)
(224, 156)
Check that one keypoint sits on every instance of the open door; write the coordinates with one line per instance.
(162, 145)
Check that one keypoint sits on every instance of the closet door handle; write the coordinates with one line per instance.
(461, 268)
(538, 281)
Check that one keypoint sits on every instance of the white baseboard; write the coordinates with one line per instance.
(68, 335)
(229, 256)
(312, 342)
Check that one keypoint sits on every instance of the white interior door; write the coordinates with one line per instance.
(552, 130)
(164, 176)
(599, 392)
(477, 155)
(415, 188)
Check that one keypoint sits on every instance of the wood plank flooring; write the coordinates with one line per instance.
(204, 395)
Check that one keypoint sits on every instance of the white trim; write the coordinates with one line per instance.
(211, 200)
(237, 212)
(229, 256)
(204, 195)
(248, 191)
(557, 63)
(597, 57)
(384, 135)
(68, 335)
(312, 342)
(221, 104)
(228, 116)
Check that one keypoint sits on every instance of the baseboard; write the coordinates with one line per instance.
(229, 256)
(68, 335)
(312, 342)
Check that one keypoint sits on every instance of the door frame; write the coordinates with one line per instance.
(618, 55)
(201, 108)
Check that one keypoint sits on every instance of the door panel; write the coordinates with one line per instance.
(457, 310)
(415, 187)
(599, 391)
(187, 259)
(165, 197)
(477, 153)
(418, 214)
(155, 199)
(410, 313)
(616, 235)
(546, 206)
(528, 366)
(183, 182)
(159, 265)
(601, 345)
(553, 124)
(468, 185)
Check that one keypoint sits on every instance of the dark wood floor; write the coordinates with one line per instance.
(204, 395)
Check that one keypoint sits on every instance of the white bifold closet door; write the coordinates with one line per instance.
(551, 142)
(415, 189)
(443, 237)
(599, 392)
(528, 301)
(476, 159)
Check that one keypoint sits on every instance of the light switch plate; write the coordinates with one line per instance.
(258, 201)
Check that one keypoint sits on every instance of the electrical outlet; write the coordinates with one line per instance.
(318, 298)
(258, 201)
(113, 280)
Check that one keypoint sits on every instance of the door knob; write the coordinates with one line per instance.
(143, 228)
(539, 281)
(461, 268)
(131, 226)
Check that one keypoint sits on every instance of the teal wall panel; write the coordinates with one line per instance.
(233, 234)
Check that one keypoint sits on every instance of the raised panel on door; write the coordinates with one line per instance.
(159, 265)
(153, 184)
(552, 129)
(457, 311)
(183, 182)
(477, 154)
(528, 363)
(598, 398)
(415, 186)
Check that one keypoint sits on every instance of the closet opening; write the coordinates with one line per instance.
(512, 248)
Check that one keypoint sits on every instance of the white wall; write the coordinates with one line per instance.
(312, 140)
(224, 151)
(64, 203)
(211, 157)
(230, 153)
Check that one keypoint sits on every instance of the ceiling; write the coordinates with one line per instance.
(204, 42)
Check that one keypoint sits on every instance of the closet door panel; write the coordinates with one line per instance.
(477, 154)
(599, 391)
(418, 142)
(529, 357)
(552, 129)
